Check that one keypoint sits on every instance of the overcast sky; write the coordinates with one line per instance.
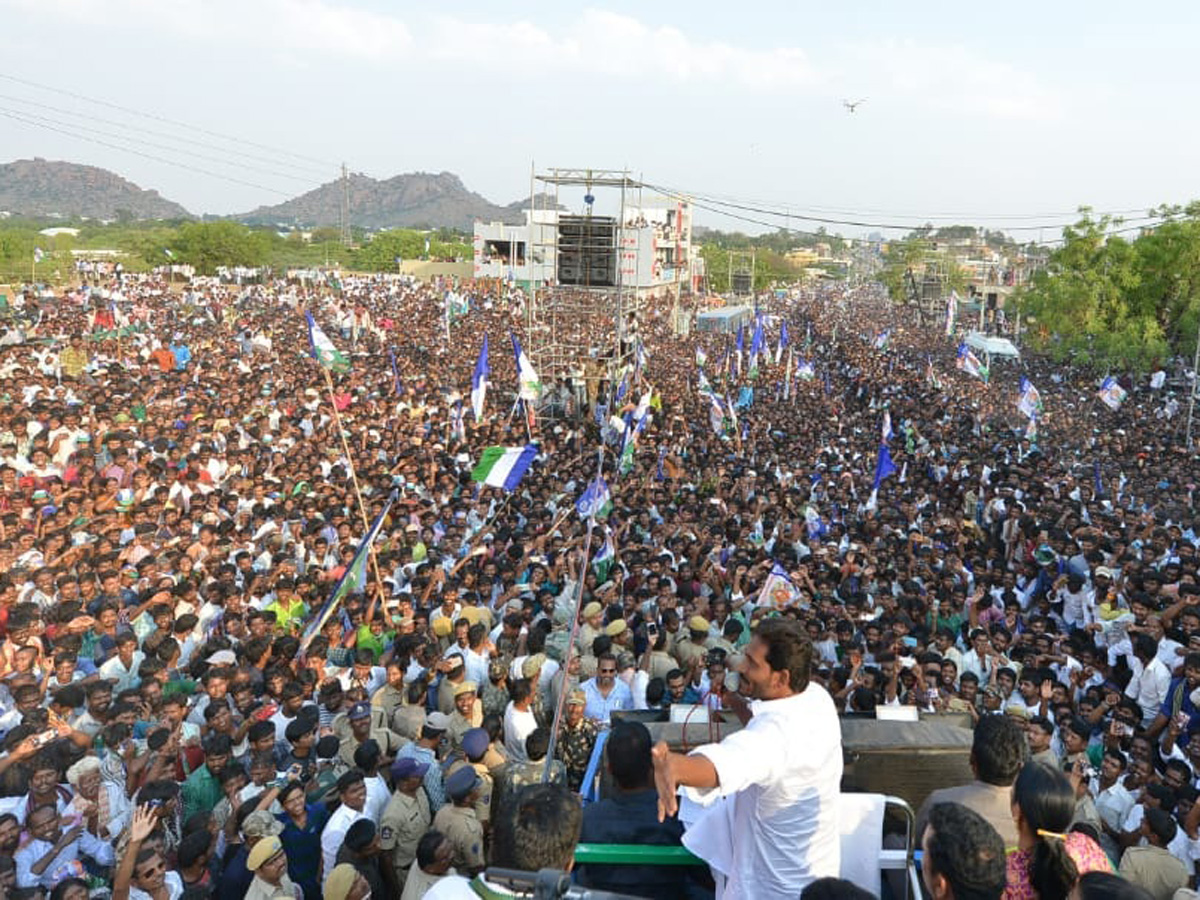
(985, 113)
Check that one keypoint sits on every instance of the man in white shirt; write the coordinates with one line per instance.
(1113, 800)
(519, 720)
(1151, 679)
(352, 791)
(779, 831)
(123, 668)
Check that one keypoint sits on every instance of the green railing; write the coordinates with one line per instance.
(635, 855)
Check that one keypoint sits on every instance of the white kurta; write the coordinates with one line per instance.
(777, 829)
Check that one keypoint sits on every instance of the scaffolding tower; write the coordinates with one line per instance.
(741, 272)
(582, 322)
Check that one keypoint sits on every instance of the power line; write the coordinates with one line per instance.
(825, 220)
(700, 204)
(300, 167)
(165, 120)
(150, 156)
(797, 210)
(142, 142)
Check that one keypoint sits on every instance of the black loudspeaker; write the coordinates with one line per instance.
(741, 282)
(931, 290)
(587, 251)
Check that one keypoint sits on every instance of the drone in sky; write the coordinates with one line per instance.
(852, 105)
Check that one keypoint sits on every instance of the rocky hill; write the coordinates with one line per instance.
(416, 199)
(41, 188)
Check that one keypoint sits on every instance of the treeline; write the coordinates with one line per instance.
(207, 245)
(1118, 296)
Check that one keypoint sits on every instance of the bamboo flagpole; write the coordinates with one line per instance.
(326, 355)
(362, 507)
(578, 609)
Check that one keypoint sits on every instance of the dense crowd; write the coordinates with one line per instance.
(182, 487)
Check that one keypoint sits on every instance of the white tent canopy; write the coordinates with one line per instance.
(992, 346)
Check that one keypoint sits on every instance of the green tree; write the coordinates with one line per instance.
(379, 254)
(207, 245)
(1093, 303)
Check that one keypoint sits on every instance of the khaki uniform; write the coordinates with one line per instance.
(460, 725)
(587, 634)
(483, 806)
(407, 721)
(687, 650)
(1156, 869)
(341, 722)
(389, 742)
(495, 759)
(388, 699)
(462, 829)
(587, 667)
(405, 821)
(661, 663)
(445, 696)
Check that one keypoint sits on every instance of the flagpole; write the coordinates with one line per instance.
(525, 415)
(337, 421)
(566, 666)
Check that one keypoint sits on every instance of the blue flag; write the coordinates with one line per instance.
(595, 501)
(395, 372)
(783, 342)
(1096, 478)
(756, 342)
(479, 380)
(884, 467)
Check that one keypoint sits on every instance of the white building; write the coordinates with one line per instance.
(653, 248)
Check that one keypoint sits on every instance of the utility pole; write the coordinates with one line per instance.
(344, 208)
(1195, 385)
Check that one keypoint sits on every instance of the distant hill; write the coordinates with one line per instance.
(40, 188)
(417, 199)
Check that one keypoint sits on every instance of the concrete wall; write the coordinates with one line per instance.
(425, 269)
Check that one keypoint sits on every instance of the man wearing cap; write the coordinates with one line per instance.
(346, 883)
(268, 862)
(467, 712)
(407, 816)
(363, 727)
(576, 739)
(592, 627)
(352, 792)
(457, 821)
(696, 646)
(424, 750)
(474, 753)
(361, 849)
(236, 877)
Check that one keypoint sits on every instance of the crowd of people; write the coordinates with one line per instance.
(183, 488)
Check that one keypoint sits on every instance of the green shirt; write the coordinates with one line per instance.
(368, 640)
(286, 613)
(201, 792)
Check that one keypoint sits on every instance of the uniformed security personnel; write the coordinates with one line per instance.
(457, 821)
(406, 817)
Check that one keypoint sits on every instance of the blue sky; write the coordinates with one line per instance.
(978, 112)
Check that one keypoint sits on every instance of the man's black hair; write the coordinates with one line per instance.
(966, 850)
(999, 750)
